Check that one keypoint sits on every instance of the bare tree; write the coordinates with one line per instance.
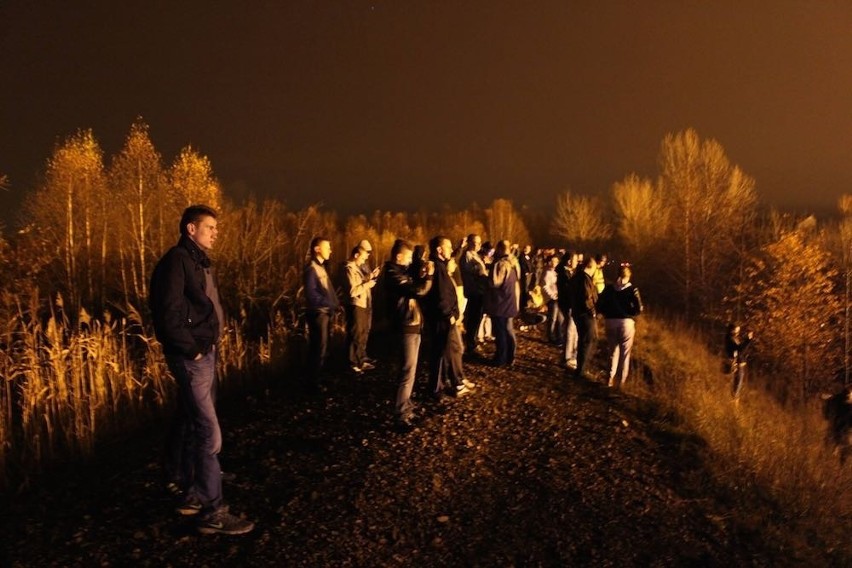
(642, 215)
(136, 176)
(580, 219)
(504, 222)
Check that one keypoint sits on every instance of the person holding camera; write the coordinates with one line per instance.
(405, 284)
(357, 293)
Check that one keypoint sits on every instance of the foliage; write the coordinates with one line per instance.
(580, 220)
(790, 302)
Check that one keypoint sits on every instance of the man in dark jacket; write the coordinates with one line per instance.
(503, 303)
(584, 297)
(403, 289)
(188, 320)
(320, 303)
(441, 308)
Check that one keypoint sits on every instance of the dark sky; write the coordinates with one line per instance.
(404, 104)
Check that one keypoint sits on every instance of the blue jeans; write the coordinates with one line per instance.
(504, 339)
(196, 432)
(410, 348)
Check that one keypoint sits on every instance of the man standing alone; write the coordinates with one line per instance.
(188, 320)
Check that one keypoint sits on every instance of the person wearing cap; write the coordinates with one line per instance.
(357, 294)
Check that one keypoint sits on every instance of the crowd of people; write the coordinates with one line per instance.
(451, 298)
(455, 298)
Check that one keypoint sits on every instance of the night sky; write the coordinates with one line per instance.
(404, 104)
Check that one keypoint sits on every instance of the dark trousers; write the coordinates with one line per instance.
(195, 436)
(555, 323)
(444, 340)
(504, 340)
(587, 336)
(357, 334)
(318, 328)
(472, 320)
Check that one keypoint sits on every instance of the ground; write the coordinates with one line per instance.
(535, 468)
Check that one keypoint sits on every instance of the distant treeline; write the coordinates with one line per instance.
(77, 347)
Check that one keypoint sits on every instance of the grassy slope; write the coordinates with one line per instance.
(771, 462)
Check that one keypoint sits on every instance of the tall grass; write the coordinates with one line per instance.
(758, 445)
(65, 387)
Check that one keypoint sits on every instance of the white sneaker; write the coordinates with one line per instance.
(469, 384)
(463, 390)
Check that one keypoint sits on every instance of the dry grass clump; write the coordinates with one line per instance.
(65, 387)
(758, 445)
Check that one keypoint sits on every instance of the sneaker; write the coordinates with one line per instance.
(189, 506)
(357, 370)
(173, 489)
(462, 390)
(222, 522)
(571, 363)
(469, 384)
(366, 366)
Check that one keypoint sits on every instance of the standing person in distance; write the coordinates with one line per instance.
(369, 273)
(736, 348)
(620, 304)
(357, 291)
(503, 303)
(188, 321)
(584, 297)
(404, 288)
(320, 303)
(474, 276)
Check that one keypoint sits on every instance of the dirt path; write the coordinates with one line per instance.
(533, 468)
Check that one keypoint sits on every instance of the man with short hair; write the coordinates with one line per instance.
(442, 314)
(584, 296)
(503, 302)
(357, 295)
(188, 321)
(474, 276)
(404, 288)
(320, 303)
(369, 274)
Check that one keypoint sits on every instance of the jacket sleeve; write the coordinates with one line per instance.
(171, 310)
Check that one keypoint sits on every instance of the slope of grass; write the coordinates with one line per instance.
(771, 461)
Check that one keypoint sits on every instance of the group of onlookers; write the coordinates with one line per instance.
(436, 294)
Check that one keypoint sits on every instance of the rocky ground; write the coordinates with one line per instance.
(533, 468)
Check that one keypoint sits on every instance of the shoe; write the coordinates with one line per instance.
(222, 522)
(462, 390)
(404, 425)
(189, 506)
(571, 363)
(366, 366)
(357, 370)
(469, 384)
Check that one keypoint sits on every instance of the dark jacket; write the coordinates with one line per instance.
(185, 320)
(503, 299)
(583, 294)
(441, 303)
(564, 274)
(619, 301)
(319, 290)
(403, 289)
